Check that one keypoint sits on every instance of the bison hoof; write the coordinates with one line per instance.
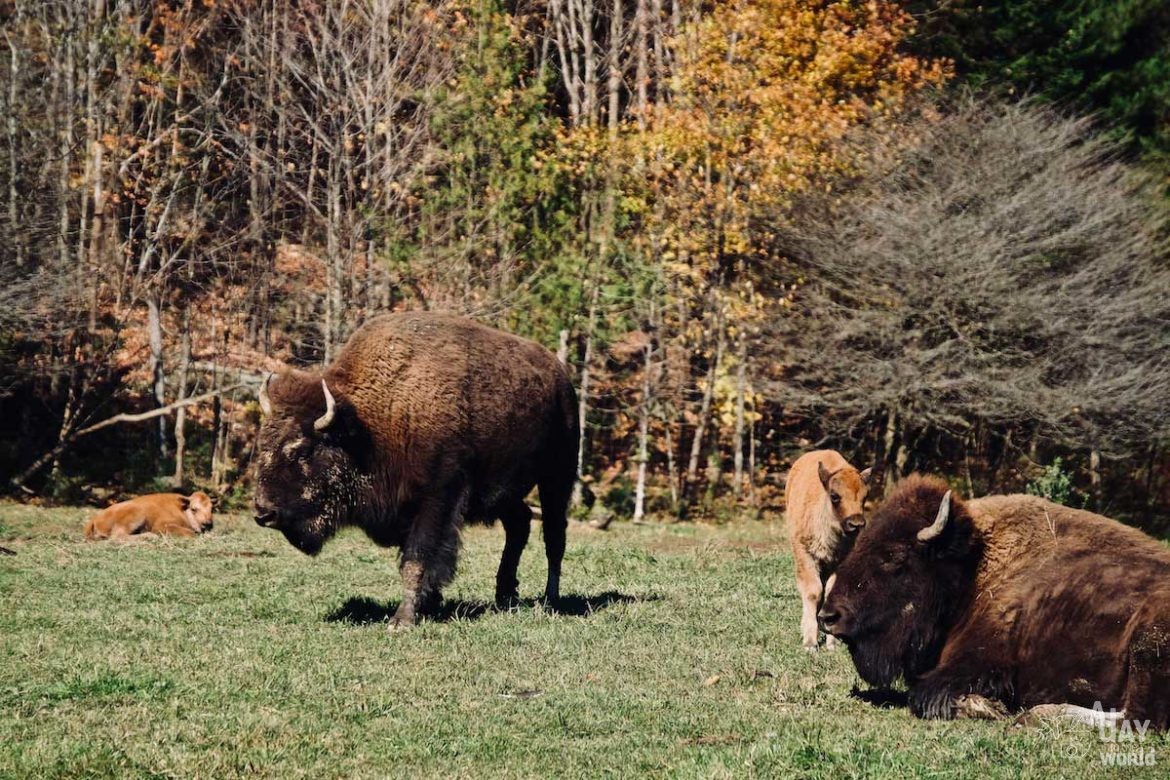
(400, 623)
(972, 706)
(507, 602)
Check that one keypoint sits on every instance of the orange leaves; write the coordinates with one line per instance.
(761, 91)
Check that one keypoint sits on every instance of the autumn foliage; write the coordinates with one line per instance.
(194, 193)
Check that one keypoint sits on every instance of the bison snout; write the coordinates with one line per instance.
(854, 524)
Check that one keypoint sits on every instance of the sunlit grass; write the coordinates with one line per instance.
(233, 654)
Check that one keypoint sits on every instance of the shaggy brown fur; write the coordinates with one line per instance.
(159, 513)
(437, 420)
(824, 499)
(1016, 599)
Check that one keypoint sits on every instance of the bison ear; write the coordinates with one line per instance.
(824, 474)
(865, 475)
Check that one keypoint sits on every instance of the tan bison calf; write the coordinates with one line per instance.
(159, 513)
(824, 497)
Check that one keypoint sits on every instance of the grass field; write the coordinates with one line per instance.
(233, 654)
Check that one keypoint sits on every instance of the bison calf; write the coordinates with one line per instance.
(159, 513)
(824, 498)
(423, 422)
(1011, 598)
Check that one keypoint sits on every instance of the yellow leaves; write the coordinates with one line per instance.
(759, 96)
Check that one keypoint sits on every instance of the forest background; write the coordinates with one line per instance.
(932, 235)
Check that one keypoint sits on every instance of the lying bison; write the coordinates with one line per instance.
(1006, 598)
(169, 514)
(824, 497)
(423, 422)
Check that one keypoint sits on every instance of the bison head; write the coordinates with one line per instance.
(847, 489)
(307, 474)
(908, 576)
(198, 511)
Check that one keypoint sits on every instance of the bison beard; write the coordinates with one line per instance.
(425, 421)
(1009, 598)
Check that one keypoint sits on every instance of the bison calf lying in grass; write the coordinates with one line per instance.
(159, 513)
(423, 422)
(824, 498)
(1012, 599)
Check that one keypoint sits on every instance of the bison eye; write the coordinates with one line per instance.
(836, 499)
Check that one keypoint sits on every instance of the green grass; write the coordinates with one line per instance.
(233, 654)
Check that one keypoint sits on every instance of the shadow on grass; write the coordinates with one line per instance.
(363, 611)
(885, 698)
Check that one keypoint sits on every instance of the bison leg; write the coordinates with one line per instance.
(429, 557)
(942, 693)
(554, 520)
(830, 640)
(412, 577)
(136, 526)
(1147, 690)
(517, 519)
(808, 583)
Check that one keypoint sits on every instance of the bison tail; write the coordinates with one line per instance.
(89, 534)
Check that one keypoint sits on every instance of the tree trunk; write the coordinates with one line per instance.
(181, 414)
(1151, 462)
(614, 66)
(16, 236)
(1095, 476)
(705, 405)
(642, 68)
(643, 435)
(740, 381)
(563, 347)
(585, 13)
(751, 475)
(64, 433)
(670, 472)
(583, 393)
(889, 456)
(154, 326)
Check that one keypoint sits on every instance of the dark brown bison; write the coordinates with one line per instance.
(1012, 599)
(423, 422)
(169, 514)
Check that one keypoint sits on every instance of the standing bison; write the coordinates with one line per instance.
(423, 422)
(1008, 598)
(824, 497)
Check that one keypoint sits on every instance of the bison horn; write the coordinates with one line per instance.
(325, 420)
(265, 401)
(940, 520)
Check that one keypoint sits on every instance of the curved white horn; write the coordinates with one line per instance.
(265, 401)
(326, 419)
(940, 520)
